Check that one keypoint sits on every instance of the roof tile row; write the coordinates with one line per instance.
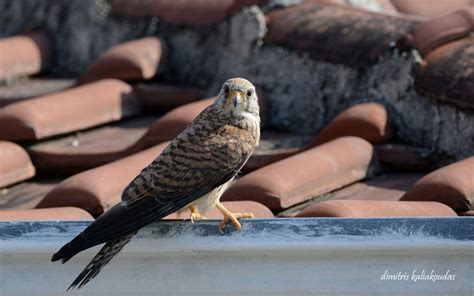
(197, 13)
(368, 121)
(130, 61)
(336, 33)
(93, 191)
(275, 175)
(326, 168)
(374, 208)
(70, 110)
(63, 214)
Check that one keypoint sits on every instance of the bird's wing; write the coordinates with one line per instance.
(191, 166)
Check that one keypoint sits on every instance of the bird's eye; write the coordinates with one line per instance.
(226, 89)
(249, 93)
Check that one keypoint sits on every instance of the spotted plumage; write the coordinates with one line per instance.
(191, 172)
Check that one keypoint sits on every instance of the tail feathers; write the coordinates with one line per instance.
(66, 253)
(108, 251)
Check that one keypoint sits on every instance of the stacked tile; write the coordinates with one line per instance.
(368, 121)
(428, 8)
(452, 185)
(197, 13)
(33, 87)
(292, 28)
(82, 151)
(27, 194)
(52, 214)
(130, 61)
(66, 111)
(24, 55)
(372, 208)
(326, 167)
(92, 190)
(390, 187)
(448, 51)
(15, 164)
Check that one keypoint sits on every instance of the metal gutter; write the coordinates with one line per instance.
(269, 257)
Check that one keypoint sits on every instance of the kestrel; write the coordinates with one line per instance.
(191, 173)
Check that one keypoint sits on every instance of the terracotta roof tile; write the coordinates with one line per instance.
(66, 111)
(26, 195)
(429, 8)
(15, 164)
(447, 75)
(368, 121)
(467, 213)
(203, 12)
(372, 208)
(34, 87)
(92, 190)
(259, 210)
(63, 214)
(390, 187)
(336, 33)
(24, 55)
(297, 178)
(452, 185)
(85, 150)
(130, 61)
(438, 31)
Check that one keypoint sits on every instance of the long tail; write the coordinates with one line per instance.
(108, 251)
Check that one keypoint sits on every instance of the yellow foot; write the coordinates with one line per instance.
(195, 215)
(232, 217)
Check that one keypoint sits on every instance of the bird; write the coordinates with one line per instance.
(191, 174)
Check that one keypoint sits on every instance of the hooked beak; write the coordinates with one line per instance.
(235, 97)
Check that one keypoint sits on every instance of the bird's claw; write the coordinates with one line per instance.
(195, 215)
(233, 218)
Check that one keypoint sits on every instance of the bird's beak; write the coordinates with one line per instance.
(236, 97)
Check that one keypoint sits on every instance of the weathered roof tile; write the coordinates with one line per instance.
(438, 31)
(24, 54)
(297, 178)
(15, 164)
(92, 148)
(66, 111)
(203, 12)
(447, 76)
(63, 214)
(368, 121)
(372, 208)
(93, 190)
(452, 185)
(130, 61)
(336, 33)
(429, 8)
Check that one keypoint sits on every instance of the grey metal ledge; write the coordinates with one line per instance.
(418, 256)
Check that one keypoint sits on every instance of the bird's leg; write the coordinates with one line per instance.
(232, 217)
(195, 215)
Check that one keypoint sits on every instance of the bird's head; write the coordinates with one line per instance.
(238, 99)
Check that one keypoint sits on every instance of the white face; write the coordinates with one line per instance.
(238, 98)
